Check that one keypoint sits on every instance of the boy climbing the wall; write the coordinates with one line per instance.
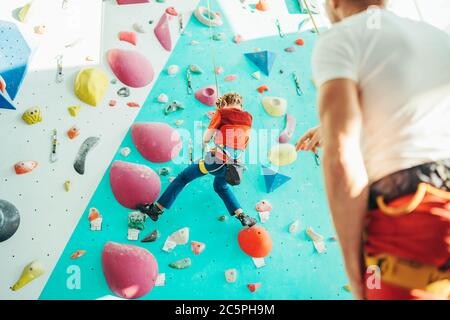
(230, 127)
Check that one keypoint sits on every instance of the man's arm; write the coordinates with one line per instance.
(345, 175)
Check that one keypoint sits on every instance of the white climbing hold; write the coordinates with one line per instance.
(275, 106)
(256, 75)
(179, 122)
(95, 219)
(173, 69)
(293, 228)
(230, 275)
(282, 154)
(160, 280)
(317, 239)
(133, 234)
(264, 216)
(207, 17)
(180, 236)
(195, 69)
(194, 43)
(138, 27)
(125, 151)
(259, 262)
(163, 98)
(169, 246)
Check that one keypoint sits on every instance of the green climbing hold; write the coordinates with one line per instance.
(164, 171)
(181, 264)
(136, 220)
(222, 218)
(152, 236)
(218, 36)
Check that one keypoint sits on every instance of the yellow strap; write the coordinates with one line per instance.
(422, 190)
(406, 273)
(201, 166)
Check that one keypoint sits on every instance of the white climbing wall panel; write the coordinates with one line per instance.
(49, 213)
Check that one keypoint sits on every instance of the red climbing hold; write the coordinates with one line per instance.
(133, 104)
(300, 42)
(253, 286)
(255, 241)
(128, 36)
(263, 88)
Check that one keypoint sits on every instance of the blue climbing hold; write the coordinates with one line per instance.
(15, 54)
(262, 59)
(273, 179)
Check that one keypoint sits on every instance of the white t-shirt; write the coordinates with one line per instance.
(402, 68)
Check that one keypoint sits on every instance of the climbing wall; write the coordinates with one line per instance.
(49, 214)
(294, 269)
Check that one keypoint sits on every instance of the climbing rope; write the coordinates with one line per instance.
(311, 16)
(213, 53)
(418, 10)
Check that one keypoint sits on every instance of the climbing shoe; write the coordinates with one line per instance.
(151, 210)
(246, 220)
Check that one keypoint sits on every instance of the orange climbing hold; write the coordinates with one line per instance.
(300, 42)
(2, 85)
(262, 5)
(253, 286)
(25, 166)
(77, 254)
(263, 88)
(93, 214)
(255, 241)
(172, 11)
(73, 132)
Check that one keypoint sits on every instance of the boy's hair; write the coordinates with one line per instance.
(229, 99)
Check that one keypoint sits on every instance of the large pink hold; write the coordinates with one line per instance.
(288, 131)
(207, 95)
(131, 67)
(133, 184)
(130, 271)
(132, 1)
(162, 31)
(156, 141)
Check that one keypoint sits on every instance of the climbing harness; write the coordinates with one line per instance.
(53, 155)
(189, 81)
(422, 189)
(298, 89)
(407, 274)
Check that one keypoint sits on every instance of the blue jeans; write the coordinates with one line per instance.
(221, 187)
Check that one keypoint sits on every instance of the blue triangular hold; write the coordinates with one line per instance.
(273, 179)
(5, 102)
(262, 59)
(14, 57)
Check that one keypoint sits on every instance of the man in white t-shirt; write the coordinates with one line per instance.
(384, 104)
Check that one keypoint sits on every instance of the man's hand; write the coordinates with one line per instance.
(310, 141)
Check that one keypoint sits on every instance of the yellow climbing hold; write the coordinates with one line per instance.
(32, 115)
(74, 110)
(67, 185)
(31, 271)
(283, 154)
(23, 12)
(91, 85)
(275, 106)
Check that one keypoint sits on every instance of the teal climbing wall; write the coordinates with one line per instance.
(294, 270)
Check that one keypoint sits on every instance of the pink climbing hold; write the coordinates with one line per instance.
(230, 77)
(131, 67)
(133, 184)
(288, 131)
(162, 31)
(263, 206)
(197, 247)
(207, 95)
(254, 286)
(120, 2)
(130, 271)
(156, 141)
(128, 36)
(172, 11)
